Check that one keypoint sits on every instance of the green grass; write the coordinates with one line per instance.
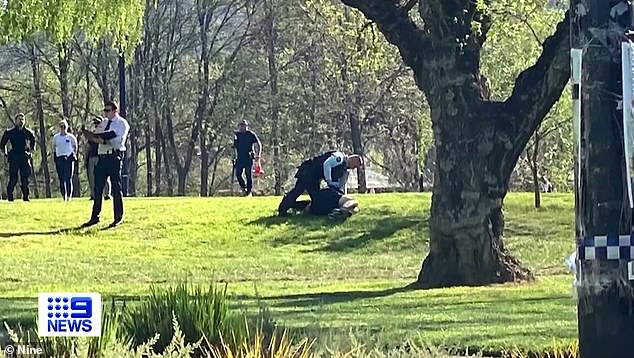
(312, 274)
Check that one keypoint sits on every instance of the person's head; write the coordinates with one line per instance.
(63, 126)
(243, 125)
(354, 161)
(19, 120)
(110, 109)
(348, 203)
(96, 121)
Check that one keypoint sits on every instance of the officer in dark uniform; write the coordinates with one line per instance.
(19, 157)
(243, 143)
(332, 167)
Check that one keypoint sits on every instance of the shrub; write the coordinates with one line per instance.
(203, 315)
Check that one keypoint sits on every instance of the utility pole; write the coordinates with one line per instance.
(605, 244)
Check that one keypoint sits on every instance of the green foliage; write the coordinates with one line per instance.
(61, 19)
(202, 314)
(515, 39)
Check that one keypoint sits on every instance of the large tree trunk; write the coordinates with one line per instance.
(478, 141)
(39, 116)
(467, 221)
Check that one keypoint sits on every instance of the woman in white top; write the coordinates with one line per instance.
(65, 148)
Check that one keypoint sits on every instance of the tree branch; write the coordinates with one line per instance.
(397, 27)
(536, 90)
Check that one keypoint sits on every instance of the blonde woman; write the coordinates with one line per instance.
(65, 149)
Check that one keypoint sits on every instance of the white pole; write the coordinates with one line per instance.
(628, 120)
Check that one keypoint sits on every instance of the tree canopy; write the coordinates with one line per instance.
(120, 20)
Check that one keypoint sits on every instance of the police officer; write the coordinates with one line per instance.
(243, 143)
(332, 167)
(111, 138)
(19, 157)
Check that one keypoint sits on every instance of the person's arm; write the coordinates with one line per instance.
(343, 183)
(3, 142)
(73, 140)
(31, 141)
(54, 146)
(235, 146)
(106, 135)
(122, 131)
(92, 137)
(334, 160)
(258, 146)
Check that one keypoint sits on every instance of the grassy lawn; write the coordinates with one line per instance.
(310, 273)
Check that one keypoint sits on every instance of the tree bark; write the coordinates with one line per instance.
(478, 141)
(357, 146)
(136, 120)
(271, 35)
(204, 164)
(39, 117)
(159, 152)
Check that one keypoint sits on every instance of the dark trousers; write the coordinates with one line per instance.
(308, 180)
(108, 166)
(21, 165)
(245, 166)
(65, 167)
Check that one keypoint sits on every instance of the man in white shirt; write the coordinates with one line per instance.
(111, 151)
(65, 149)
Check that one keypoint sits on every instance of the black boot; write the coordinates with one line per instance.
(282, 209)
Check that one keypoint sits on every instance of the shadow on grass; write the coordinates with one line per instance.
(76, 230)
(310, 299)
(298, 221)
(341, 236)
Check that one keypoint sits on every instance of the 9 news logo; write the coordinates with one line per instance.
(69, 314)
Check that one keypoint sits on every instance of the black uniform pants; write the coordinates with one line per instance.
(108, 166)
(65, 167)
(308, 180)
(21, 165)
(244, 166)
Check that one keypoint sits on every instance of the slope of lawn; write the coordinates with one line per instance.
(311, 274)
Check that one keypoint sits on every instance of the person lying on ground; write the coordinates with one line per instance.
(329, 202)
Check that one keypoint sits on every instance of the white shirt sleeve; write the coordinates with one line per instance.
(55, 144)
(121, 129)
(73, 141)
(335, 159)
(343, 182)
